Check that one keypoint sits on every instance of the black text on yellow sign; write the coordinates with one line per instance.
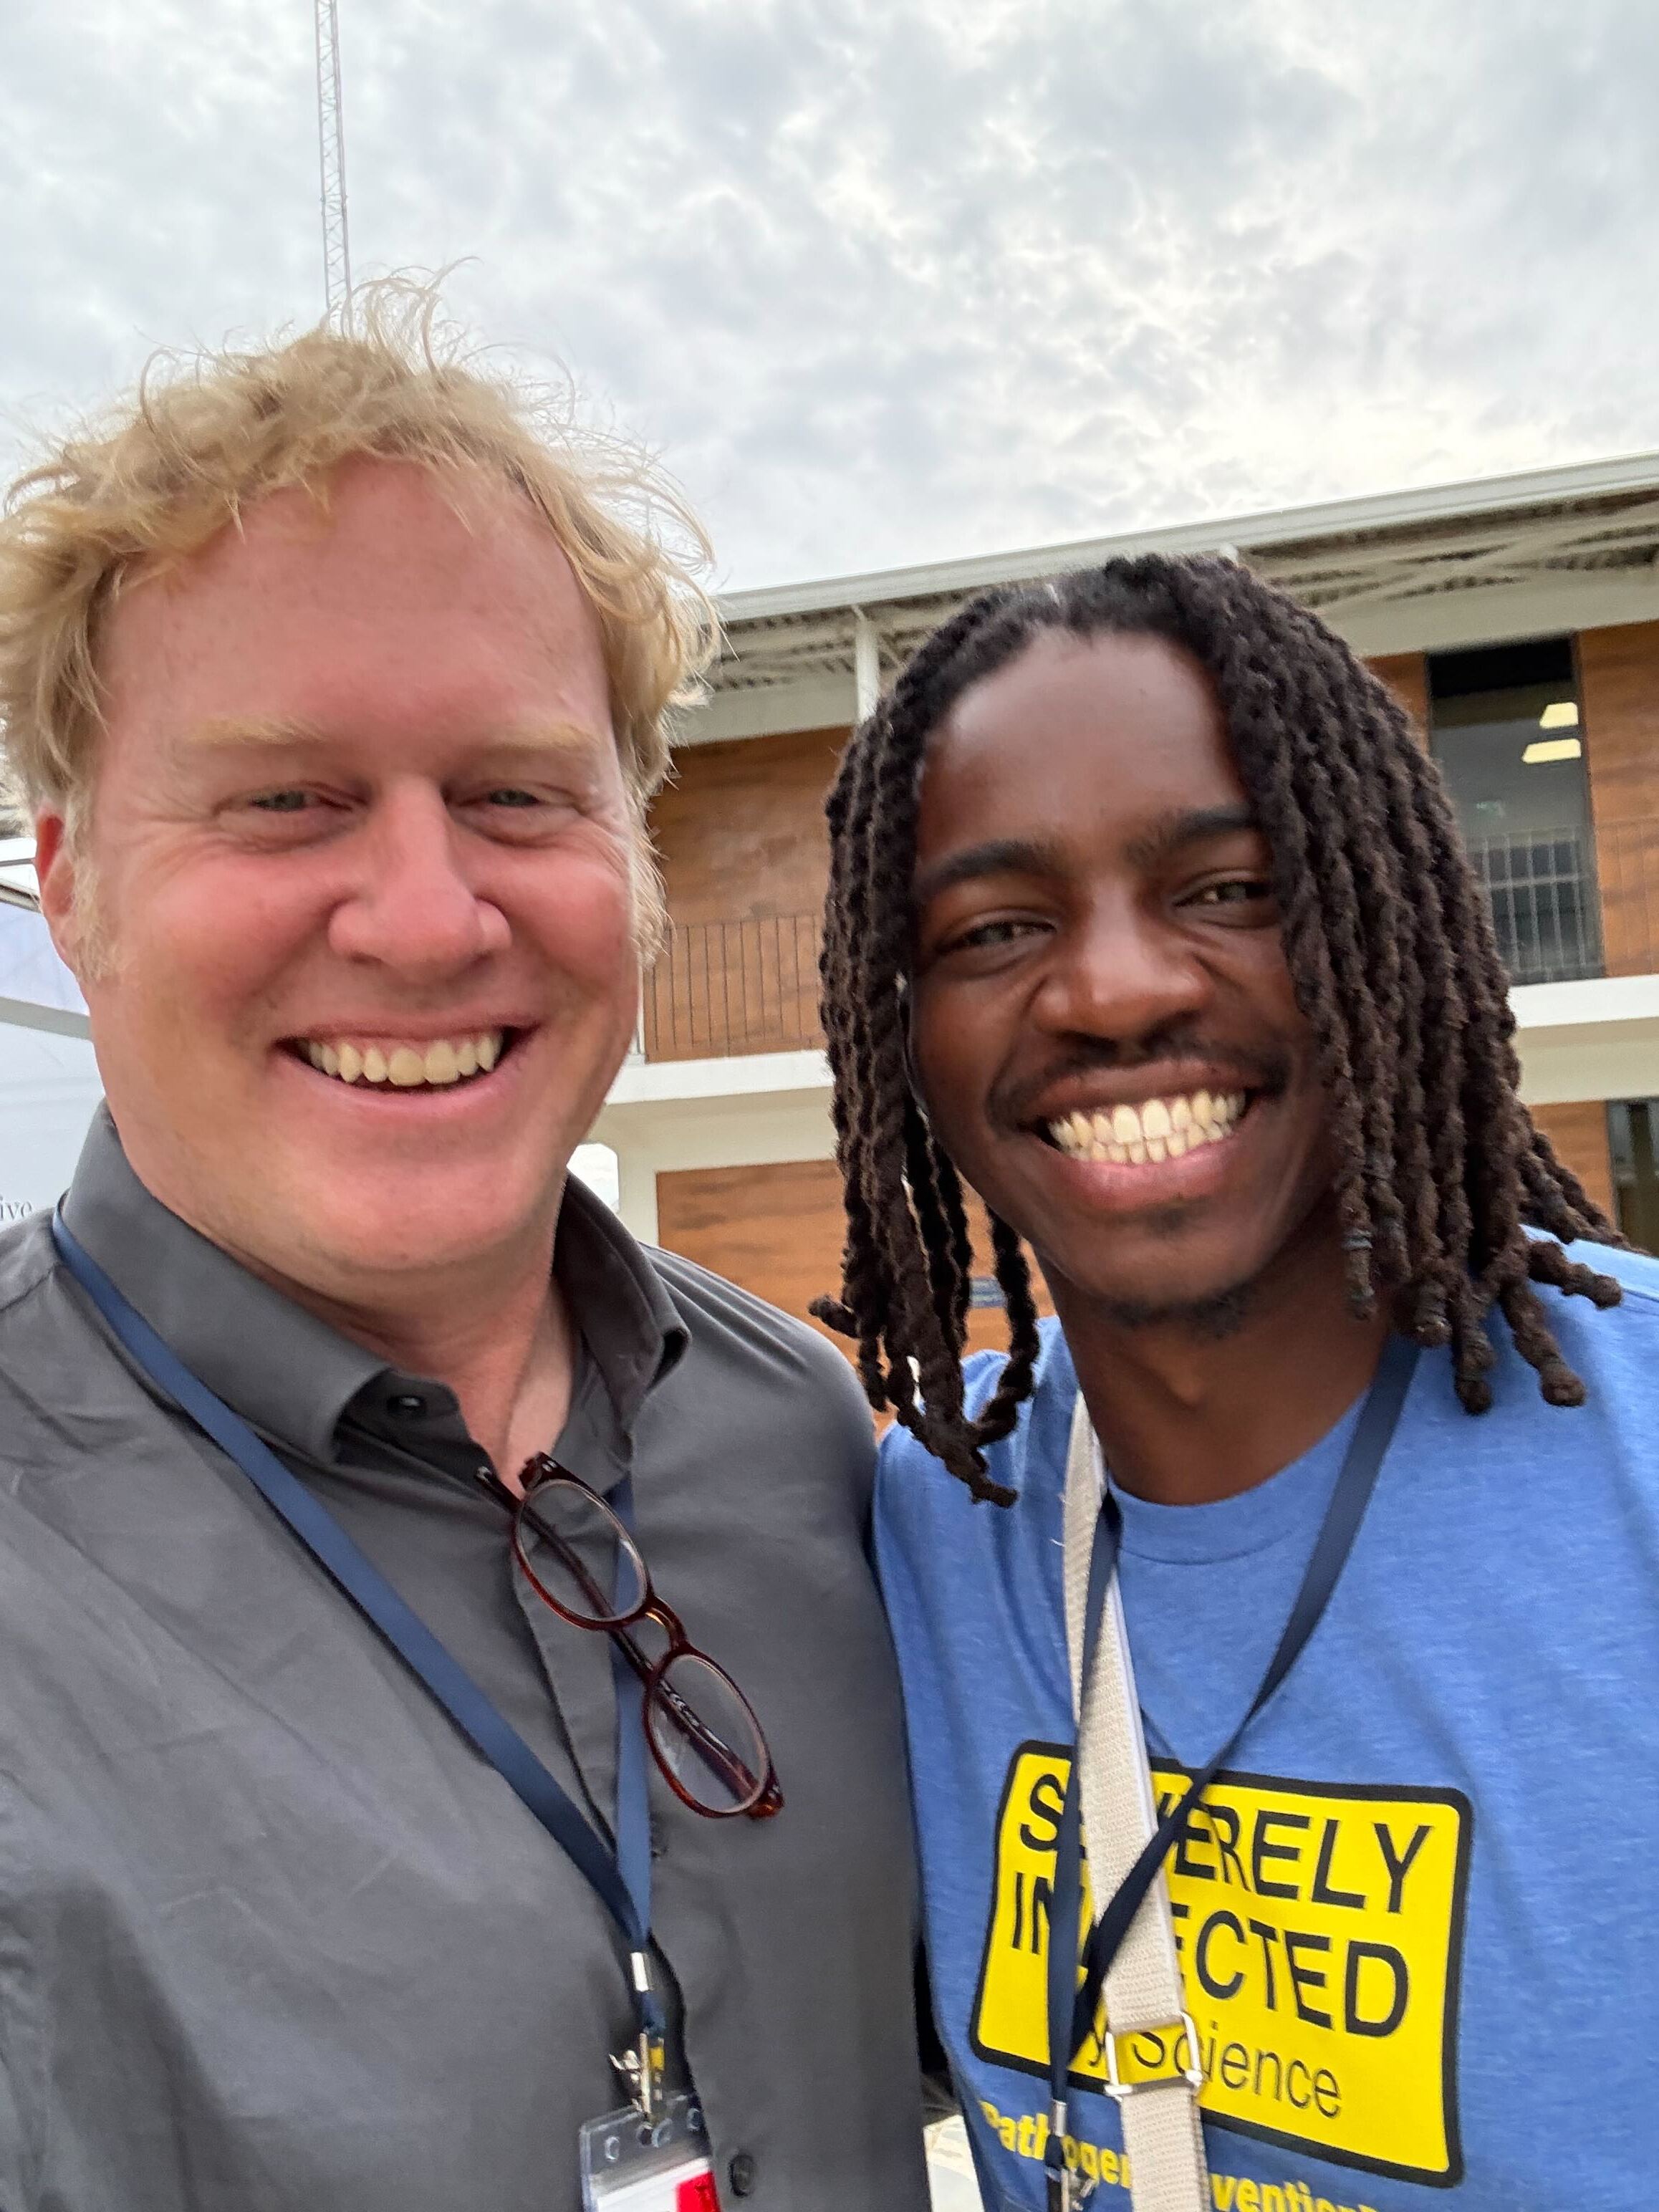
(1320, 1933)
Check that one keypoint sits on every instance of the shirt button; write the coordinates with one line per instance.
(406, 1405)
(740, 2173)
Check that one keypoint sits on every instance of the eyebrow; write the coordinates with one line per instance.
(1175, 831)
(1038, 856)
(254, 730)
(272, 731)
(998, 856)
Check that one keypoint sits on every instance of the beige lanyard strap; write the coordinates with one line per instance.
(1145, 1999)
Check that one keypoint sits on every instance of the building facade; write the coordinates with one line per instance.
(1519, 622)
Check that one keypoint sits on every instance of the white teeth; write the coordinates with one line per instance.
(1158, 1129)
(415, 1067)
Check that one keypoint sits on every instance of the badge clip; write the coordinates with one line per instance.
(641, 2066)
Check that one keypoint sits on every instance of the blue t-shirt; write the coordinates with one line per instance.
(1419, 1919)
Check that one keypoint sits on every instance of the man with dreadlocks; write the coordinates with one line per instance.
(1149, 921)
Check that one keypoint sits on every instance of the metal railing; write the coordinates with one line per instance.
(1541, 887)
(732, 986)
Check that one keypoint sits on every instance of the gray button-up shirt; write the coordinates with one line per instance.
(273, 1937)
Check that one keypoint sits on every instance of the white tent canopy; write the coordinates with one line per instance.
(48, 1082)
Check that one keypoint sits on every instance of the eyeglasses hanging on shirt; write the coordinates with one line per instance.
(701, 1730)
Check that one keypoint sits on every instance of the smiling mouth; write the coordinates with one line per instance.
(426, 1063)
(1156, 1130)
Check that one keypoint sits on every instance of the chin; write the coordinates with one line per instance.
(440, 1223)
(1218, 1292)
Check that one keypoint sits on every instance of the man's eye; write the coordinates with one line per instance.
(283, 802)
(987, 935)
(510, 795)
(1234, 891)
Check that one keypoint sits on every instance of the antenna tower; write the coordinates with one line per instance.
(331, 149)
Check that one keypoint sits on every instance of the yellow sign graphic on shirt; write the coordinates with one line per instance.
(1320, 1933)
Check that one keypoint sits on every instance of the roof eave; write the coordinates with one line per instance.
(1277, 526)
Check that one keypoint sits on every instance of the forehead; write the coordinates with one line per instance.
(402, 589)
(1078, 744)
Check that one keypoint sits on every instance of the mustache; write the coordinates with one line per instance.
(1242, 1067)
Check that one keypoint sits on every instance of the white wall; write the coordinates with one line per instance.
(48, 1078)
(49, 1087)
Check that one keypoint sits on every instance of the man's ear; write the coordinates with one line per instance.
(55, 871)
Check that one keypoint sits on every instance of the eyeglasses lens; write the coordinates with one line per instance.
(586, 1561)
(706, 1735)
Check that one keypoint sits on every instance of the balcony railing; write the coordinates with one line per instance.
(719, 987)
(1540, 884)
(1572, 902)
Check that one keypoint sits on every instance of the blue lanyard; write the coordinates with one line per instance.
(622, 1879)
(1072, 2006)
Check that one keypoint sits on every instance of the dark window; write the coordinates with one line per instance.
(1508, 736)
(1633, 1141)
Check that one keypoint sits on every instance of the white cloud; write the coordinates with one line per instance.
(891, 280)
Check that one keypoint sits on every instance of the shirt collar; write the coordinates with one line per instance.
(290, 1374)
(617, 1300)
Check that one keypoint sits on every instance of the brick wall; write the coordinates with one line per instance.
(1618, 687)
(1406, 675)
(777, 1231)
(740, 831)
(1578, 1131)
(744, 852)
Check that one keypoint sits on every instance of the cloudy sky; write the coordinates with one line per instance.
(894, 280)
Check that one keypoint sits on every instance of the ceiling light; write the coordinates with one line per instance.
(1551, 749)
(1563, 715)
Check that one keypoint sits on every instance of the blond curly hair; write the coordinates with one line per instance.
(206, 435)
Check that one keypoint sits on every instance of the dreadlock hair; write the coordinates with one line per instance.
(1439, 1171)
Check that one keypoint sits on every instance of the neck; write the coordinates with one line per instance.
(1187, 1413)
(498, 1334)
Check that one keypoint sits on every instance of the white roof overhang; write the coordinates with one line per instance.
(1555, 550)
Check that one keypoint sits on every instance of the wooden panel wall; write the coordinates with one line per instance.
(1578, 1131)
(1618, 687)
(740, 831)
(777, 1231)
(1406, 675)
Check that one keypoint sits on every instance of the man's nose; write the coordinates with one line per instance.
(1123, 974)
(412, 906)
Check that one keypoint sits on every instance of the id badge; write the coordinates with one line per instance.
(633, 2164)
